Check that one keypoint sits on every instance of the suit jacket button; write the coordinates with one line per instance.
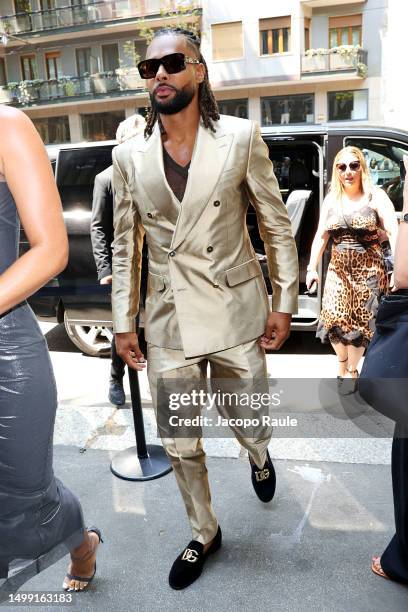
(210, 249)
(150, 215)
(172, 253)
(215, 285)
(217, 203)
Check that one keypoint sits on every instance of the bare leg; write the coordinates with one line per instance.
(342, 355)
(354, 355)
(83, 559)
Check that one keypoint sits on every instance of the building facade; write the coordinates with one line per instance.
(71, 65)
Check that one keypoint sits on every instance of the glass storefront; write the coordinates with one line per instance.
(348, 105)
(53, 130)
(236, 108)
(280, 110)
(101, 126)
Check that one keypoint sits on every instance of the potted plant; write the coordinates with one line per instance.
(344, 57)
(315, 60)
(68, 85)
(10, 92)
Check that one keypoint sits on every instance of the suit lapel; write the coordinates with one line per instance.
(151, 176)
(210, 154)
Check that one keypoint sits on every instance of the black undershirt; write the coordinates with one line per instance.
(176, 175)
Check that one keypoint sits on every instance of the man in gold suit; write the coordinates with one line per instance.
(186, 184)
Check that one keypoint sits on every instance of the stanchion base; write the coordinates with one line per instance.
(127, 465)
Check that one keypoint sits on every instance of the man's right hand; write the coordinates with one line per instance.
(127, 347)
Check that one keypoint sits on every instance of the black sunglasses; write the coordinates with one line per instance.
(354, 166)
(172, 63)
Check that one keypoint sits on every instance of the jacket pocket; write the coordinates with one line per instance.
(156, 282)
(240, 274)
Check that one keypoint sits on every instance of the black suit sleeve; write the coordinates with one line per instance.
(102, 224)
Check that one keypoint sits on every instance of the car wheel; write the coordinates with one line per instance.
(93, 340)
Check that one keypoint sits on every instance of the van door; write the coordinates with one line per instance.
(75, 175)
(299, 168)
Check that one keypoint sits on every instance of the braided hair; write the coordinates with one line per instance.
(207, 103)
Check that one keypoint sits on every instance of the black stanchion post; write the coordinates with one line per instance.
(141, 462)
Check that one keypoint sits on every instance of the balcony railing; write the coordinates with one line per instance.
(98, 11)
(338, 59)
(327, 3)
(65, 89)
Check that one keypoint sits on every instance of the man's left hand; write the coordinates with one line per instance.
(277, 330)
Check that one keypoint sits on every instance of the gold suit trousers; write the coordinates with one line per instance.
(245, 361)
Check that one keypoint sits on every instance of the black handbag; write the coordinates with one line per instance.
(383, 381)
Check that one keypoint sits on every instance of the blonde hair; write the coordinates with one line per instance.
(132, 126)
(336, 187)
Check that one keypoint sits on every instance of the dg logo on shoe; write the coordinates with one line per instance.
(190, 555)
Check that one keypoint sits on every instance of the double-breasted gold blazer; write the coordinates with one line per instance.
(205, 291)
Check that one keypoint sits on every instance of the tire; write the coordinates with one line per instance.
(93, 340)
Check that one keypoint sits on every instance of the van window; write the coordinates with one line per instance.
(76, 171)
(383, 156)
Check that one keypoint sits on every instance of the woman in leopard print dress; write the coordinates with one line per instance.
(353, 215)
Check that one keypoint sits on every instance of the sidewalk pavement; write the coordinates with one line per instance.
(309, 549)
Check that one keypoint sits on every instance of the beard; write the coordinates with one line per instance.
(180, 100)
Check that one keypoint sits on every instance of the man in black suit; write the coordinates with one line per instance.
(102, 238)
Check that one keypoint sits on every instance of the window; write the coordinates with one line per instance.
(53, 130)
(227, 42)
(345, 30)
(77, 169)
(22, 9)
(140, 49)
(101, 126)
(110, 55)
(383, 157)
(53, 64)
(49, 14)
(307, 34)
(29, 69)
(83, 61)
(3, 75)
(274, 35)
(236, 108)
(22, 6)
(297, 108)
(348, 105)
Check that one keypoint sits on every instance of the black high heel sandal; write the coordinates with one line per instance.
(341, 378)
(17, 572)
(352, 383)
(86, 579)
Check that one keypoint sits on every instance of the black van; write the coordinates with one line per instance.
(302, 158)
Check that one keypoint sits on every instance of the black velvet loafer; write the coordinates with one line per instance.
(264, 480)
(189, 564)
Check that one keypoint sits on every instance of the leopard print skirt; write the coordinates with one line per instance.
(355, 280)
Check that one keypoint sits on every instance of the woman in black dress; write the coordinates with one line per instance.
(40, 519)
(393, 563)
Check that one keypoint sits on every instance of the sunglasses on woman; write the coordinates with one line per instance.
(172, 63)
(354, 166)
